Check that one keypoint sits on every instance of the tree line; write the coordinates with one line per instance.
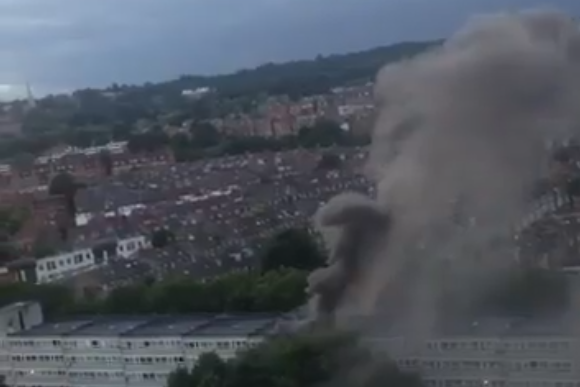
(275, 287)
(303, 360)
(243, 291)
(122, 106)
(204, 141)
(201, 140)
(11, 221)
(302, 77)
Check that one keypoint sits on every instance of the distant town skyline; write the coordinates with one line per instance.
(61, 45)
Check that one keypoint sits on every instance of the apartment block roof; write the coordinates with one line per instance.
(200, 325)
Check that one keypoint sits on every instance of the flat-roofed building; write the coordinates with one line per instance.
(494, 352)
(125, 350)
(143, 350)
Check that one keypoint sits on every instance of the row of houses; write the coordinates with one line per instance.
(280, 116)
(36, 174)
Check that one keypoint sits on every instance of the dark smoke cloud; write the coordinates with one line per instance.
(459, 140)
(350, 224)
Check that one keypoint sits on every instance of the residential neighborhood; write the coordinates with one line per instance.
(220, 212)
(261, 227)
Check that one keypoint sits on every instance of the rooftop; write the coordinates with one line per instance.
(110, 327)
(171, 326)
(51, 330)
(502, 327)
(157, 326)
(242, 325)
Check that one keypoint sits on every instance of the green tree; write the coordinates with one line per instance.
(234, 292)
(293, 248)
(131, 299)
(92, 116)
(204, 135)
(300, 360)
(209, 371)
(8, 251)
(42, 248)
(329, 161)
(161, 238)
(180, 378)
(147, 142)
(324, 133)
(279, 290)
(12, 219)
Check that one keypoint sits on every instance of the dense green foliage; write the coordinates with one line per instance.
(329, 161)
(277, 291)
(161, 238)
(204, 141)
(297, 361)
(293, 248)
(12, 220)
(301, 78)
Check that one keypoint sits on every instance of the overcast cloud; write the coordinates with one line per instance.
(66, 44)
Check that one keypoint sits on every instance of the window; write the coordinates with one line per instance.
(433, 345)
(222, 345)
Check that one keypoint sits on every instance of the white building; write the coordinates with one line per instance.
(129, 245)
(77, 260)
(195, 93)
(59, 265)
(136, 351)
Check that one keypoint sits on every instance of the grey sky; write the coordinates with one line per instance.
(65, 44)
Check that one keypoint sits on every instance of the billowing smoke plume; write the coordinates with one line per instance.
(351, 225)
(459, 140)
